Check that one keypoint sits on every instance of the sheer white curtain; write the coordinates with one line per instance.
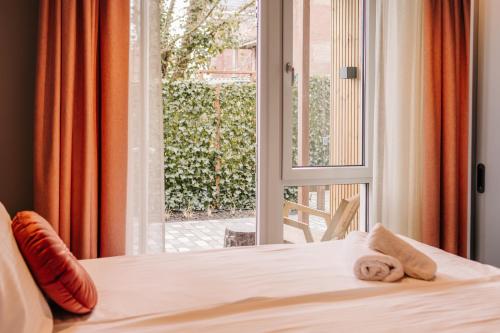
(398, 116)
(145, 199)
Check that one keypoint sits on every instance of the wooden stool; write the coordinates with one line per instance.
(239, 235)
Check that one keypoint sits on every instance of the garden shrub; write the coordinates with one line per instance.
(190, 156)
(193, 150)
(201, 150)
(238, 143)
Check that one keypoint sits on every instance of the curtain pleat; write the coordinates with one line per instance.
(398, 116)
(146, 185)
(114, 62)
(81, 123)
(446, 113)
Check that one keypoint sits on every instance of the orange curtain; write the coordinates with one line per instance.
(446, 114)
(81, 123)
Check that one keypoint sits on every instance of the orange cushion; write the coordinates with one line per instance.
(56, 271)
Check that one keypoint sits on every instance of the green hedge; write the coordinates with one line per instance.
(192, 151)
(202, 148)
(238, 144)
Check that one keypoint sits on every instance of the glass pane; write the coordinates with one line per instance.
(323, 212)
(209, 103)
(327, 58)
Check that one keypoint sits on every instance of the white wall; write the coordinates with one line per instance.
(487, 224)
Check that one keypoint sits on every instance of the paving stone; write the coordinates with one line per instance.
(209, 234)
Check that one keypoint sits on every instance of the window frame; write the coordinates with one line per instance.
(320, 175)
(274, 172)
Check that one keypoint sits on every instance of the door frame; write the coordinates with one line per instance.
(269, 123)
(473, 79)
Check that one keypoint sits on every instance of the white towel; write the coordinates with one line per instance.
(370, 265)
(415, 263)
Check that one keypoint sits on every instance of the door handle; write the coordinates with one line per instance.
(481, 178)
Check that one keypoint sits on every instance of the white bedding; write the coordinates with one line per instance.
(284, 288)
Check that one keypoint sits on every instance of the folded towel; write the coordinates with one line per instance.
(370, 265)
(415, 263)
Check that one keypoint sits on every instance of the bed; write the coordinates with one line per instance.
(283, 288)
(272, 288)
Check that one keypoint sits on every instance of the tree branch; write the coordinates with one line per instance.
(196, 27)
(200, 23)
(238, 12)
(167, 22)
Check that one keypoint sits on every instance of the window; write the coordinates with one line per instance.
(325, 125)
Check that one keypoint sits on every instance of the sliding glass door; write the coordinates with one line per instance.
(260, 129)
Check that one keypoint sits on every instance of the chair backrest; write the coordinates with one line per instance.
(342, 219)
(304, 227)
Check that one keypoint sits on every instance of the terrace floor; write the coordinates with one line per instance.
(199, 235)
(209, 234)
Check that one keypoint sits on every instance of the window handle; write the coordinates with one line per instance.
(291, 70)
(481, 178)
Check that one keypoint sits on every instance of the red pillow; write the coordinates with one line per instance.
(55, 269)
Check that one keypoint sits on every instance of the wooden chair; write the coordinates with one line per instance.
(337, 225)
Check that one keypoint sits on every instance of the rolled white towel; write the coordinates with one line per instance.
(371, 265)
(415, 263)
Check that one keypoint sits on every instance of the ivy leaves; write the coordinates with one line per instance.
(202, 169)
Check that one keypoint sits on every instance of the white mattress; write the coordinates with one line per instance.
(285, 288)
